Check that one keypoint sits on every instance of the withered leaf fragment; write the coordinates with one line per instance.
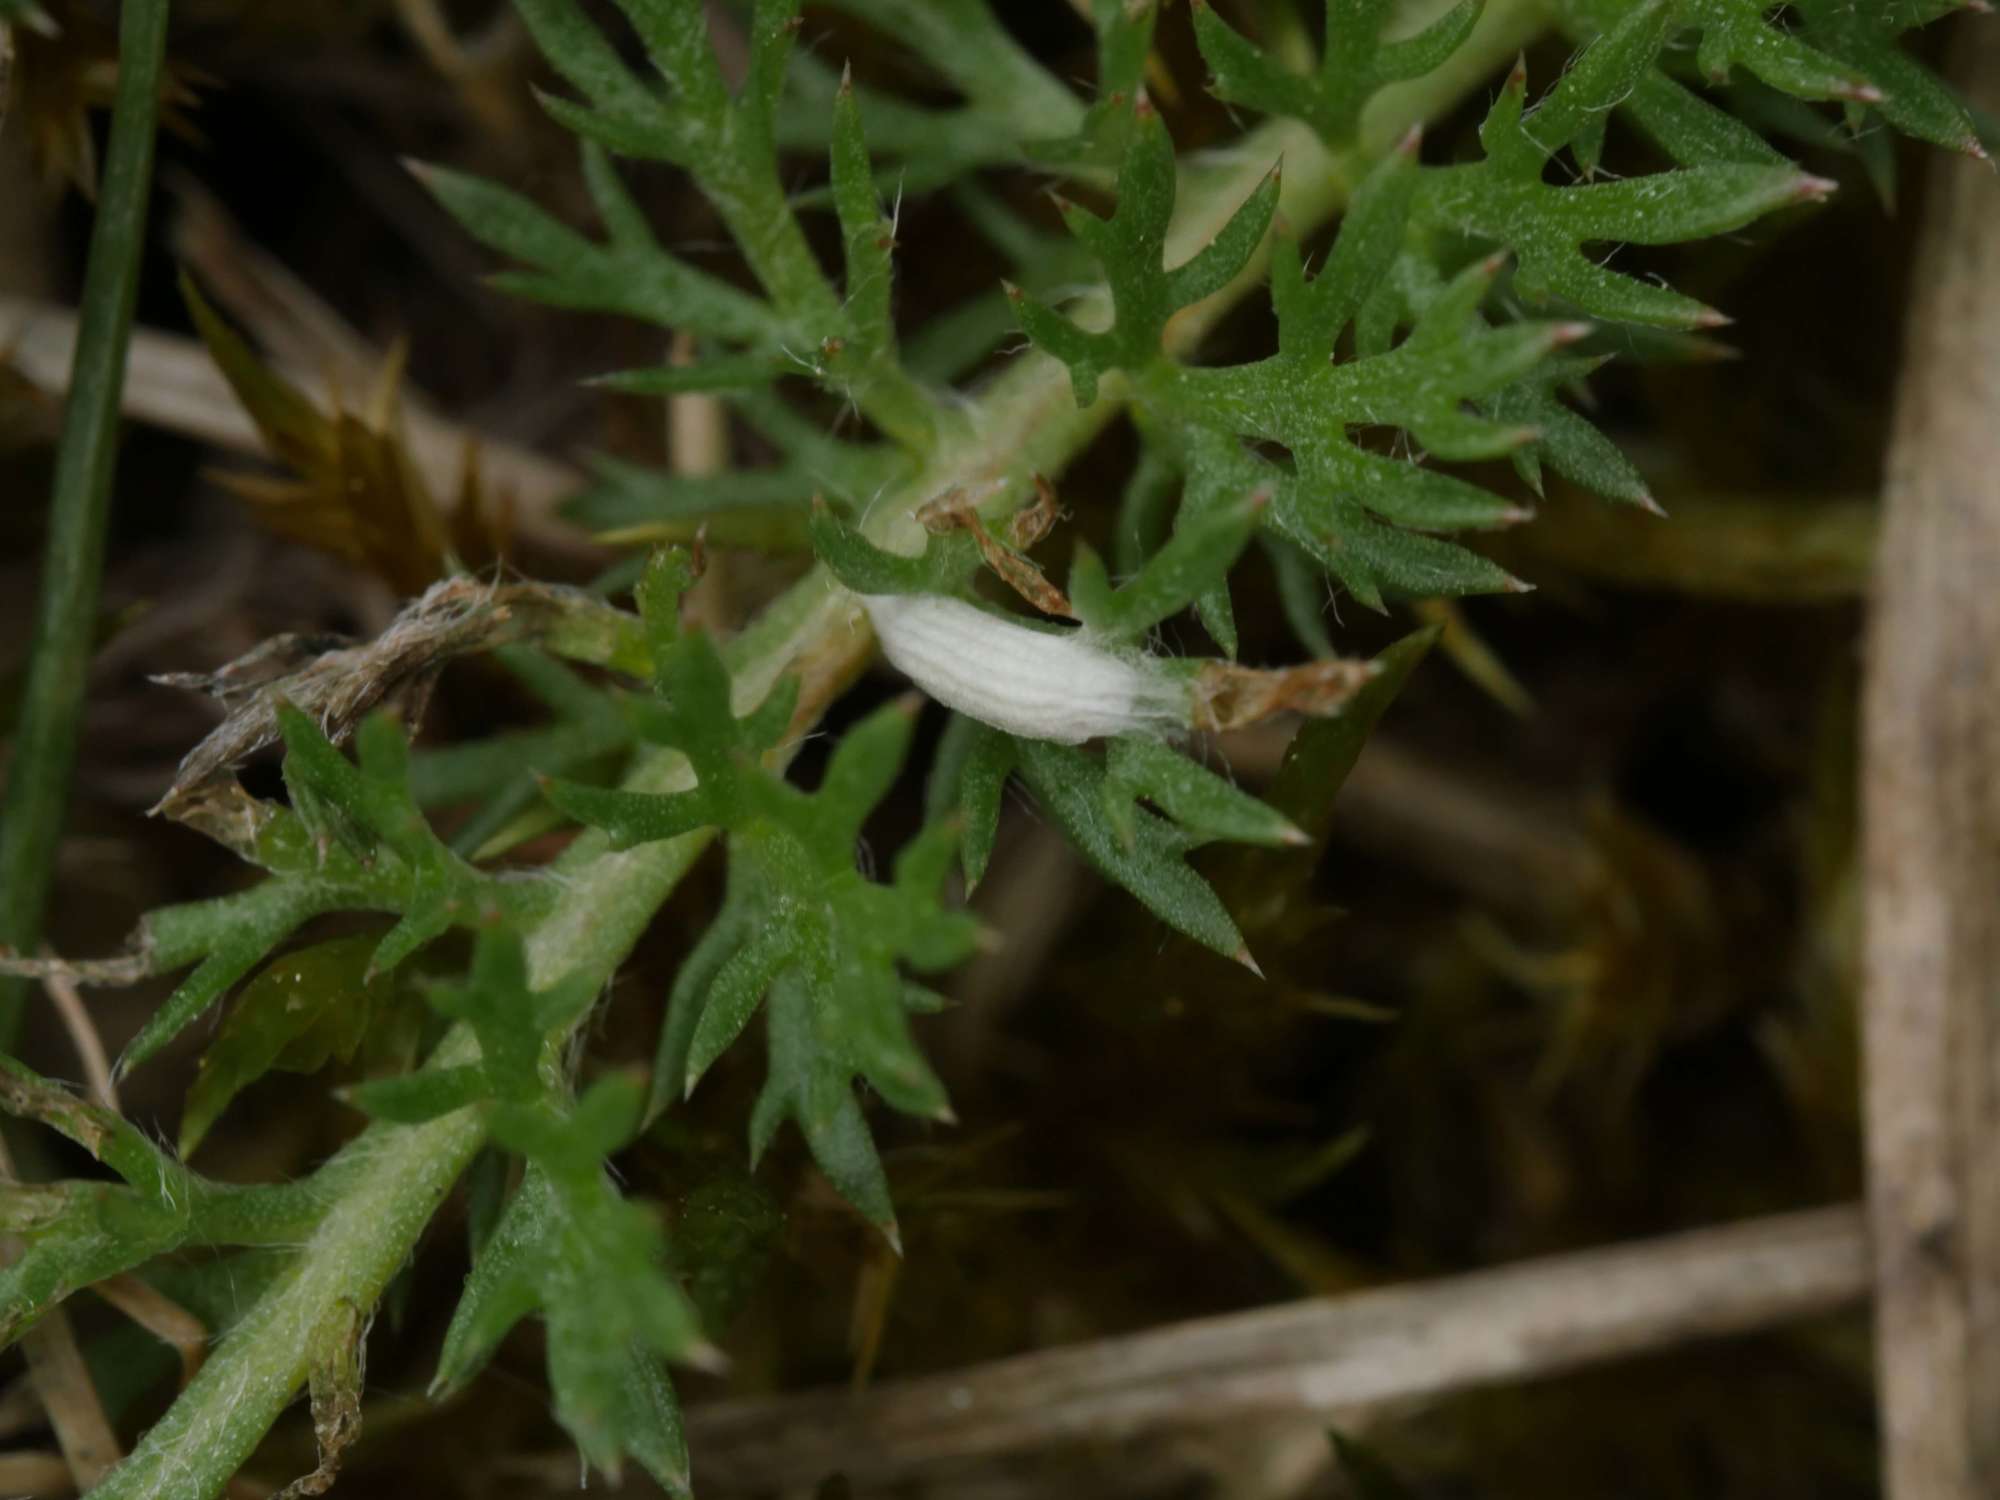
(955, 511)
(1227, 696)
(336, 682)
(352, 487)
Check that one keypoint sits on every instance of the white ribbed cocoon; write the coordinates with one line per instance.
(1027, 682)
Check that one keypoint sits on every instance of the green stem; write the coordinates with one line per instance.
(753, 205)
(260, 1365)
(31, 817)
(393, 1176)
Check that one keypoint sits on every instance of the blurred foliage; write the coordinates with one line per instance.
(64, 68)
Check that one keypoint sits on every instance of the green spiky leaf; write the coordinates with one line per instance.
(74, 1234)
(354, 839)
(800, 918)
(1131, 246)
(1504, 199)
(1356, 62)
(628, 274)
(1097, 802)
(594, 1266)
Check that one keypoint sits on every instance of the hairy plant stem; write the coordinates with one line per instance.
(754, 206)
(37, 796)
(392, 1177)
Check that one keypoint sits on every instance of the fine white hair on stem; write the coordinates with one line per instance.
(1033, 683)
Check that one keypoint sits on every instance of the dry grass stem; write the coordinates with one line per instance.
(159, 1315)
(171, 382)
(83, 1035)
(1931, 807)
(1336, 1355)
(35, 1474)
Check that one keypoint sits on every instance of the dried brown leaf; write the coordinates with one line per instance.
(338, 681)
(338, 1371)
(60, 75)
(956, 510)
(351, 487)
(1227, 696)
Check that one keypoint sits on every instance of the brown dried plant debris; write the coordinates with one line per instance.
(956, 509)
(60, 73)
(1227, 696)
(353, 489)
(337, 681)
(339, 1372)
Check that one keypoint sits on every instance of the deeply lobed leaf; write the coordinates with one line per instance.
(1356, 62)
(800, 919)
(1131, 248)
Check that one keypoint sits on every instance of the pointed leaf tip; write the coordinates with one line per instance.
(707, 1358)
